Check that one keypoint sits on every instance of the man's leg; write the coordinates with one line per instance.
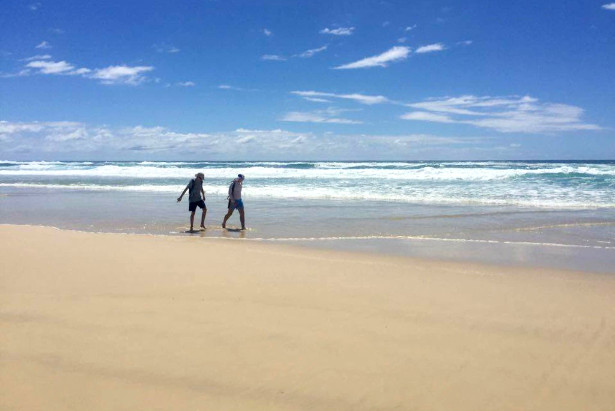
(203, 217)
(242, 218)
(192, 220)
(226, 217)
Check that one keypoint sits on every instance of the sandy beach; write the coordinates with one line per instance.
(137, 322)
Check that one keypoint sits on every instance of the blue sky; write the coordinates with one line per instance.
(274, 80)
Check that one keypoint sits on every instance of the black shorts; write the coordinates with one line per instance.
(192, 206)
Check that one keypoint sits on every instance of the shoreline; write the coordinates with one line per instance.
(106, 321)
(306, 215)
(345, 246)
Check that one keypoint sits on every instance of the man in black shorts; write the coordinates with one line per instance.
(196, 190)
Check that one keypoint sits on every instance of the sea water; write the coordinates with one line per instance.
(556, 213)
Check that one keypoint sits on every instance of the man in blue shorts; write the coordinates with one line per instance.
(195, 200)
(235, 202)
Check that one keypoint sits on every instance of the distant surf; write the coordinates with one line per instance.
(553, 185)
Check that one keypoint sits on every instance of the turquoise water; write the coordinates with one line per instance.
(539, 213)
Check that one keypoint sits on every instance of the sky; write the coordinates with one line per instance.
(307, 80)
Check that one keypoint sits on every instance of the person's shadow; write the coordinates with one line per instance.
(230, 233)
(194, 231)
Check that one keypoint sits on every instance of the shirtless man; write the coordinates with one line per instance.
(235, 202)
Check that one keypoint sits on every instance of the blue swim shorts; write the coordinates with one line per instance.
(235, 204)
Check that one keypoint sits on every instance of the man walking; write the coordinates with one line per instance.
(195, 200)
(235, 202)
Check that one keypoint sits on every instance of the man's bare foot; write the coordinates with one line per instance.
(243, 228)
(223, 225)
(203, 227)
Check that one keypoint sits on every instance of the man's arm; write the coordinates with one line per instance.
(183, 192)
(203, 192)
(231, 192)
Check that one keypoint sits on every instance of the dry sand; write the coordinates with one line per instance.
(126, 322)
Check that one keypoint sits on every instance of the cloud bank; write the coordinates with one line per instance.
(510, 114)
(81, 141)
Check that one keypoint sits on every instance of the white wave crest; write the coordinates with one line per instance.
(443, 196)
(332, 171)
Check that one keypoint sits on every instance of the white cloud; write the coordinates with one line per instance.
(402, 39)
(21, 73)
(56, 67)
(317, 99)
(186, 84)
(311, 52)
(465, 42)
(34, 6)
(306, 54)
(426, 116)
(121, 74)
(272, 57)
(51, 67)
(110, 75)
(320, 116)
(234, 88)
(410, 28)
(341, 31)
(394, 54)
(609, 6)
(7, 127)
(81, 71)
(360, 98)
(430, 48)
(43, 45)
(62, 134)
(458, 105)
(166, 48)
(510, 114)
(37, 57)
(267, 33)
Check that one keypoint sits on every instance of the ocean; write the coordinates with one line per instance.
(539, 213)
